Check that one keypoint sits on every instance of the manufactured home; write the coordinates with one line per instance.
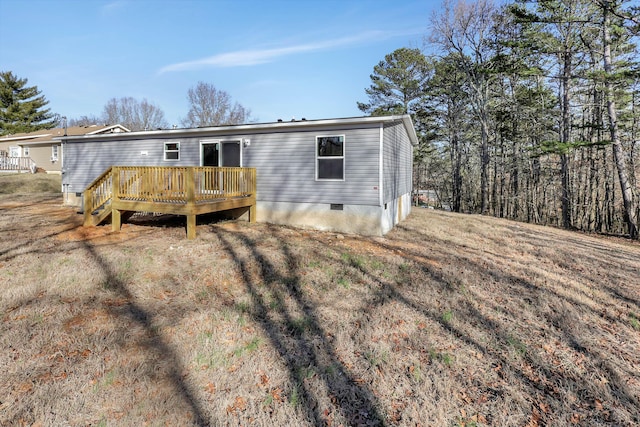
(349, 175)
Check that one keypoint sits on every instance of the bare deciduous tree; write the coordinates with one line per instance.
(462, 32)
(212, 107)
(85, 120)
(133, 114)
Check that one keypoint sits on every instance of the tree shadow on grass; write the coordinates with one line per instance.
(295, 331)
(135, 327)
(15, 240)
(540, 379)
(134, 312)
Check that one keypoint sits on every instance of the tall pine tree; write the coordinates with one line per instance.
(22, 107)
(397, 83)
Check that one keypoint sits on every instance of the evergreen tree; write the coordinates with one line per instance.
(397, 83)
(22, 107)
(608, 8)
(448, 102)
(560, 33)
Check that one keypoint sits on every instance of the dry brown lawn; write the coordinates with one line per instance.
(26, 183)
(449, 320)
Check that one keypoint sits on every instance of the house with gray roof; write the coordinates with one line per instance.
(351, 175)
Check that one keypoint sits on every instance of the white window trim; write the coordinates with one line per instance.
(25, 151)
(55, 153)
(344, 150)
(165, 151)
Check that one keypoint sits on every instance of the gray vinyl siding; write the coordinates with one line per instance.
(397, 162)
(284, 161)
(286, 167)
(85, 161)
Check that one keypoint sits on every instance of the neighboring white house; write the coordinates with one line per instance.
(347, 174)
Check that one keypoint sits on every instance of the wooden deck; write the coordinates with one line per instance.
(190, 191)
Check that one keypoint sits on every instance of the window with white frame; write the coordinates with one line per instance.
(25, 151)
(172, 151)
(54, 153)
(330, 157)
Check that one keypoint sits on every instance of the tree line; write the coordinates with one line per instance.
(528, 111)
(23, 109)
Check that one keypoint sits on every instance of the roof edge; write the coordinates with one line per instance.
(23, 137)
(405, 118)
(107, 129)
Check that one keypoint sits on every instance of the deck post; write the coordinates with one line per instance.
(252, 212)
(87, 203)
(191, 227)
(252, 186)
(191, 203)
(116, 219)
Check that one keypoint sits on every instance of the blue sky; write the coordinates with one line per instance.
(280, 59)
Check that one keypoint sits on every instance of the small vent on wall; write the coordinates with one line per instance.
(337, 207)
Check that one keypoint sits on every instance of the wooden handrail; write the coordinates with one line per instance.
(95, 181)
(97, 194)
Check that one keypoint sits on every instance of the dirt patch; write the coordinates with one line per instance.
(447, 320)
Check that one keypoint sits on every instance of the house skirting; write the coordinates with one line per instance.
(395, 211)
(72, 199)
(356, 219)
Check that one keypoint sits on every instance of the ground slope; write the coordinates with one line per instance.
(448, 320)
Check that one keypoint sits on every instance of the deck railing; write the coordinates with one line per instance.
(180, 190)
(17, 164)
(176, 184)
(98, 192)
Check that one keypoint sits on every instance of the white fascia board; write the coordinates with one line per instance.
(18, 138)
(411, 130)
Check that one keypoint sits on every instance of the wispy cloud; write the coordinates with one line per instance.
(113, 6)
(244, 58)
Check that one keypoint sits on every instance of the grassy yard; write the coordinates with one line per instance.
(27, 183)
(449, 320)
